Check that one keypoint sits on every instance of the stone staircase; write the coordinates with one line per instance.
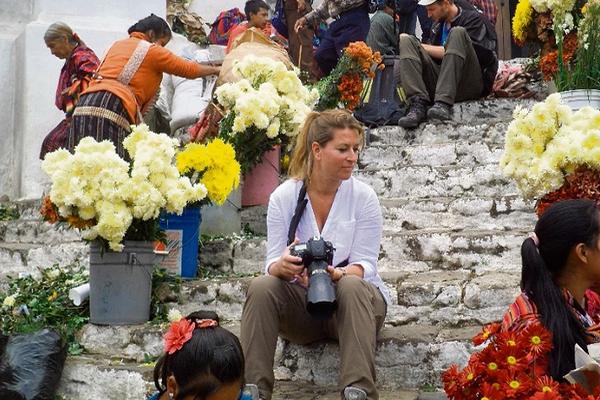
(450, 257)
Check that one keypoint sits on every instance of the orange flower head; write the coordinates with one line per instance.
(451, 381)
(486, 333)
(178, 334)
(79, 223)
(546, 384)
(515, 384)
(49, 211)
(538, 338)
(490, 391)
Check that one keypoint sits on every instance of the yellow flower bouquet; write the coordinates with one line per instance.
(111, 199)
(213, 165)
(553, 153)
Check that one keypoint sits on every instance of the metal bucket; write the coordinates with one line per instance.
(121, 283)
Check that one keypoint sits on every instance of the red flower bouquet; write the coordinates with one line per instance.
(511, 366)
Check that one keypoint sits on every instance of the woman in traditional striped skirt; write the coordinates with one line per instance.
(127, 83)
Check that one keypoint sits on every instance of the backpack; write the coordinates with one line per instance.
(381, 104)
(402, 7)
(226, 20)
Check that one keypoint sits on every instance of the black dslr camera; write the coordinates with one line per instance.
(316, 255)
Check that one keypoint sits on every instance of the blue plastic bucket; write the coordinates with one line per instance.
(189, 224)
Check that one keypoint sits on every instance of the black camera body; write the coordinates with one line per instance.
(316, 255)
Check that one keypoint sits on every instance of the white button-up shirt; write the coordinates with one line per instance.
(354, 226)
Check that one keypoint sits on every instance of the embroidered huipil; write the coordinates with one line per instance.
(74, 77)
(354, 226)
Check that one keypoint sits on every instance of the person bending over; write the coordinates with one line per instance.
(127, 83)
(75, 75)
(351, 25)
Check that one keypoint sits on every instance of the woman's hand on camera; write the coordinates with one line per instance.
(336, 273)
(288, 267)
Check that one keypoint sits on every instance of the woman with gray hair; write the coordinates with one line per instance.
(75, 75)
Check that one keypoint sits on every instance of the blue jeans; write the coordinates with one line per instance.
(350, 26)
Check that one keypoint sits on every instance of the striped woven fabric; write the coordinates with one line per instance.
(110, 125)
(523, 311)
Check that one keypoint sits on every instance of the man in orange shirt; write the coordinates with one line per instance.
(257, 12)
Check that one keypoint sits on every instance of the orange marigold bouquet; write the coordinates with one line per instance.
(511, 366)
(344, 85)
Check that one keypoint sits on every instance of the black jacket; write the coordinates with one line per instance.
(482, 34)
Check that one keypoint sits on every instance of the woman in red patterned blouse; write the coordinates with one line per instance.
(561, 265)
(75, 75)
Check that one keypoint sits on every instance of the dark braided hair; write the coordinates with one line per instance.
(211, 358)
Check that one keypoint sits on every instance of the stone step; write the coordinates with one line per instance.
(93, 378)
(414, 241)
(473, 121)
(504, 211)
(441, 181)
(411, 356)
(502, 214)
(463, 154)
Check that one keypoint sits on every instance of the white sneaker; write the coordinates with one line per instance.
(354, 393)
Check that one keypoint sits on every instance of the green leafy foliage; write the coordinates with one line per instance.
(34, 303)
(583, 72)
(250, 145)
(165, 288)
(8, 213)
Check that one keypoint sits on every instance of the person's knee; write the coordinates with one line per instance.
(351, 287)
(458, 33)
(408, 41)
(264, 285)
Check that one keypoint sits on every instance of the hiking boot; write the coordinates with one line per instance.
(416, 114)
(354, 393)
(440, 111)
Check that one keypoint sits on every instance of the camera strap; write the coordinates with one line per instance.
(298, 212)
(300, 207)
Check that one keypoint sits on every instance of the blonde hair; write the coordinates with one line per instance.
(59, 30)
(318, 127)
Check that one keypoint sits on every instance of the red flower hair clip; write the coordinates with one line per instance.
(180, 332)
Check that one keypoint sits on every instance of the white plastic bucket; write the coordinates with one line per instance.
(579, 98)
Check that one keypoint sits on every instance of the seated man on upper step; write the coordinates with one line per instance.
(459, 64)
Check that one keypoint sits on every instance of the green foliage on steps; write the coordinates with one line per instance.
(8, 213)
(39, 301)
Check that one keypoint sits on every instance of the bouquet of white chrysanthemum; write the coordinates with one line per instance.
(547, 144)
(97, 191)
(265, 107)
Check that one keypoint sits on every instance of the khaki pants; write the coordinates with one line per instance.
(458, 78)
(274, 306)
(301, 43)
